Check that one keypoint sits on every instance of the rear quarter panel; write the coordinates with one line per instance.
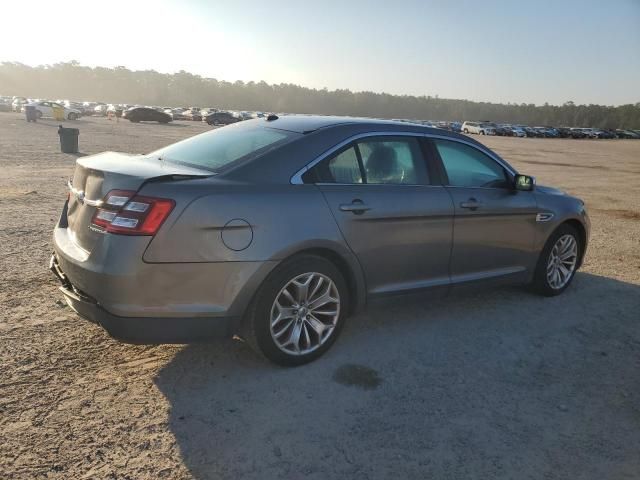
(280, 220)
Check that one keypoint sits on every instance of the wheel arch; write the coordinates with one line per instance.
(348, 267)
(355, 282)
(582, 232)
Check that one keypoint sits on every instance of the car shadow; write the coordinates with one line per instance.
(499, 383)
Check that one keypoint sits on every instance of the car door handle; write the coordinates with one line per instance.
(471, 204)
(357, 206)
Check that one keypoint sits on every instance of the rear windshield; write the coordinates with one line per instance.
(219, 148)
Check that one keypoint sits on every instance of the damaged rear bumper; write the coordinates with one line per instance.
(142, 330)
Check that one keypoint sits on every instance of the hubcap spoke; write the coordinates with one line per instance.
(289, 297)
(316, 325)
(294, 338)
(322, 300)
(295, 325)
(302, 287)
(283, 330)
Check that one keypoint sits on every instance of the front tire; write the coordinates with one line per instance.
(558, 261)
(298, 312)
(72, 116)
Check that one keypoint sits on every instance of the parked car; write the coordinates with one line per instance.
(175, 113)
(518, 131)
(221, 118)
(206, 112)
(87, 108)
(75, 105)
(478, 128)
(5, 105)
(541, 132)
(17, 103)
(531, 132)
(627, 134)
(100, 109)
(608, 134)
(213, 239)
(146, 114)
(497, 129)
(578, 133)
(507, 130)
(454, 126)
(45, 109)
(116, 109)
(192, 114)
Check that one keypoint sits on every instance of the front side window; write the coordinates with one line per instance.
(467, 166)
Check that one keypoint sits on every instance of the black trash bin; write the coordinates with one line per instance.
(30, 113)
(68, 139)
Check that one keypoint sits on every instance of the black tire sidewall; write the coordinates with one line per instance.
(260, 312)
(540, 282)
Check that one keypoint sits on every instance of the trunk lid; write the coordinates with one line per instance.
(96, 175)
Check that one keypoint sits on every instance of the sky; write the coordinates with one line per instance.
(532, 51)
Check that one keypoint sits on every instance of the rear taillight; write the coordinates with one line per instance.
(124, 212)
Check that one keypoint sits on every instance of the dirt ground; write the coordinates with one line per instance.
(497, 384)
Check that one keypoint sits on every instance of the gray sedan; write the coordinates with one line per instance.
(278, 229)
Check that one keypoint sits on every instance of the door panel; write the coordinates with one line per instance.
(494, 225)
(494, 231)
(401, 234)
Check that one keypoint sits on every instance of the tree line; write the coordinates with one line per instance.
(73, 81)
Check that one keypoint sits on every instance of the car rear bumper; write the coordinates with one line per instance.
(143, 330)
(143, 302)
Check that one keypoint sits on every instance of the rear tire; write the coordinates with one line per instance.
(558, 255)
(280, 310)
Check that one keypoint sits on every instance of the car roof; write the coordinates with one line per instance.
(311, 123)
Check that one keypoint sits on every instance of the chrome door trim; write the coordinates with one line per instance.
(296, 179)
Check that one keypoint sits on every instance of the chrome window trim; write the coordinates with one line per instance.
(296, 179)
(329, 184)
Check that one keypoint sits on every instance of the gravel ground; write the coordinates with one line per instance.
(497, 384)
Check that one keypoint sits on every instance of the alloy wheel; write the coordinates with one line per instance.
(562, 261)
(305, 313)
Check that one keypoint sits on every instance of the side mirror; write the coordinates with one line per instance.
(525, 183)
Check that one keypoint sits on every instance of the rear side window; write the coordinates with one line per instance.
(218, 148)
(374, 160)
(393, 160)
(467, 166)
(342, 167)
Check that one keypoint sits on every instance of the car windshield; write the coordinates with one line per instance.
(219, 148)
